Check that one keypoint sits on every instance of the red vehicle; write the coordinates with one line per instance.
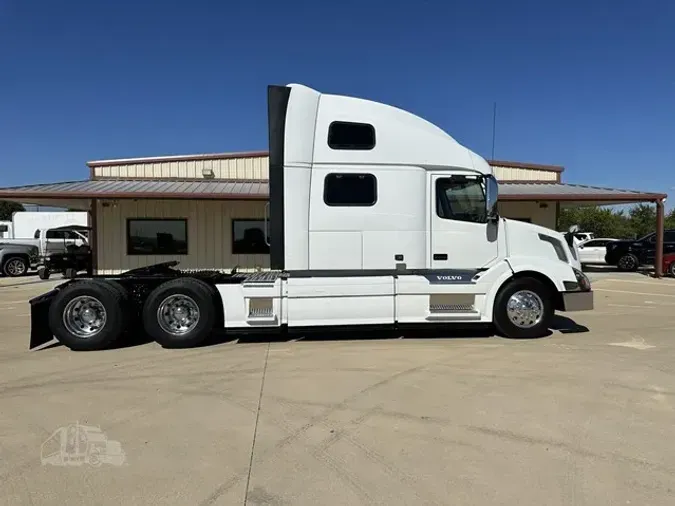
(669, 264)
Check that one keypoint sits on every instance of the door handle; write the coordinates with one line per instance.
(440, 256)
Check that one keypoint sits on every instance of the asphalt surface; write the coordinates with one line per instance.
(584, 416)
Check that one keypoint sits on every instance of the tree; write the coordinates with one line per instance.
(603, 222)
(642, 219)
(669, 221)
(7, 208)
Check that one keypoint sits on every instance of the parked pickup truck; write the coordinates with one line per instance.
(21, 255)
(52, 240)
(630, 254)
(17, 259)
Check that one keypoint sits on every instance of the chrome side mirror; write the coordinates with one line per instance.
(491, 197)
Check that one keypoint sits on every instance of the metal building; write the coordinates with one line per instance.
(207, 211)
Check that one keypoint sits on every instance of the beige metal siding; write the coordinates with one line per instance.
(257, 168)
(226, 168)
(539, 216)
(209, 234)
(519, 174)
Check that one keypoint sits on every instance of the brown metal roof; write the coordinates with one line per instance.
(139, 188)
(258, 190)
(563, 192)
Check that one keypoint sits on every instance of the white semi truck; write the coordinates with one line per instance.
(376, 218)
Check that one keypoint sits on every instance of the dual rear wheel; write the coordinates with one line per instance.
(93, 314)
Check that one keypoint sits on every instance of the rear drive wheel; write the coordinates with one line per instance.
(15, 266)
(180, 313)
(523, 309)
(628, 263)
(69, 273)
(89, 315)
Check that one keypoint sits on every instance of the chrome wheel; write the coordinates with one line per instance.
(15, 267)
(178, 314)
(525, 309)
(84, 316)
(627, 262)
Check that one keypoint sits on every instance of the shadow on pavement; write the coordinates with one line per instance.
(477, 331)
(566, 325)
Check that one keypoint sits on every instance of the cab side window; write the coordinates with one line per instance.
(461, 198)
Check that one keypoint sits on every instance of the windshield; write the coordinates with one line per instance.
(461, 198)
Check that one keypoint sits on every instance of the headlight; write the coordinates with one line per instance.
(557, 246)
(582, 279)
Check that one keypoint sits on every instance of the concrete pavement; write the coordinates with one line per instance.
(584, 416)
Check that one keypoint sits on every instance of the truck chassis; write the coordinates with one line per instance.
(181, 308)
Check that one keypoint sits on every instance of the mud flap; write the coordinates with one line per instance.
(39, 319)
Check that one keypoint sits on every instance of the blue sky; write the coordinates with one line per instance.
(588, 85)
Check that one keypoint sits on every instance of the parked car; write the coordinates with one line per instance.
(669, 264)
(18, 259)
(584, 236)
(593, 251)
(630, 254)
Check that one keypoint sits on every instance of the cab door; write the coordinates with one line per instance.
(461, 238)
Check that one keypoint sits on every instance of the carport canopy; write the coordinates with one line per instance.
(79, 194)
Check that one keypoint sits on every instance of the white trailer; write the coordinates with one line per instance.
(376, 217)
(26, 224)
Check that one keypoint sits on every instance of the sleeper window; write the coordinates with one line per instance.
(354, 136)
(350, 190)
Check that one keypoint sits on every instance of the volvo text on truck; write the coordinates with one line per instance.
(375, 216)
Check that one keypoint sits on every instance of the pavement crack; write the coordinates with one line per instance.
(255, 426)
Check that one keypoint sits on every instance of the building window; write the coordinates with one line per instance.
(350, 190)
(353, 136)
(461, 198)
(248, 237)
(157, 236)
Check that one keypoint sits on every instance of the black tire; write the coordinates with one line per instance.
(43, 273)
(501, 318)
(113, 299)
(204, 297)
(15, 266)
(628, 263)
(69, 273)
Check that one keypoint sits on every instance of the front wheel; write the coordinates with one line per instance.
(671, 269)
(180, 313)
(628, 263)
(523, 309)
(15, 266)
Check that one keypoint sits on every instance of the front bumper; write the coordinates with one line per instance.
(577, 301)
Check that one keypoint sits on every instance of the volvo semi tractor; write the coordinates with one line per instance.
(376, 217)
